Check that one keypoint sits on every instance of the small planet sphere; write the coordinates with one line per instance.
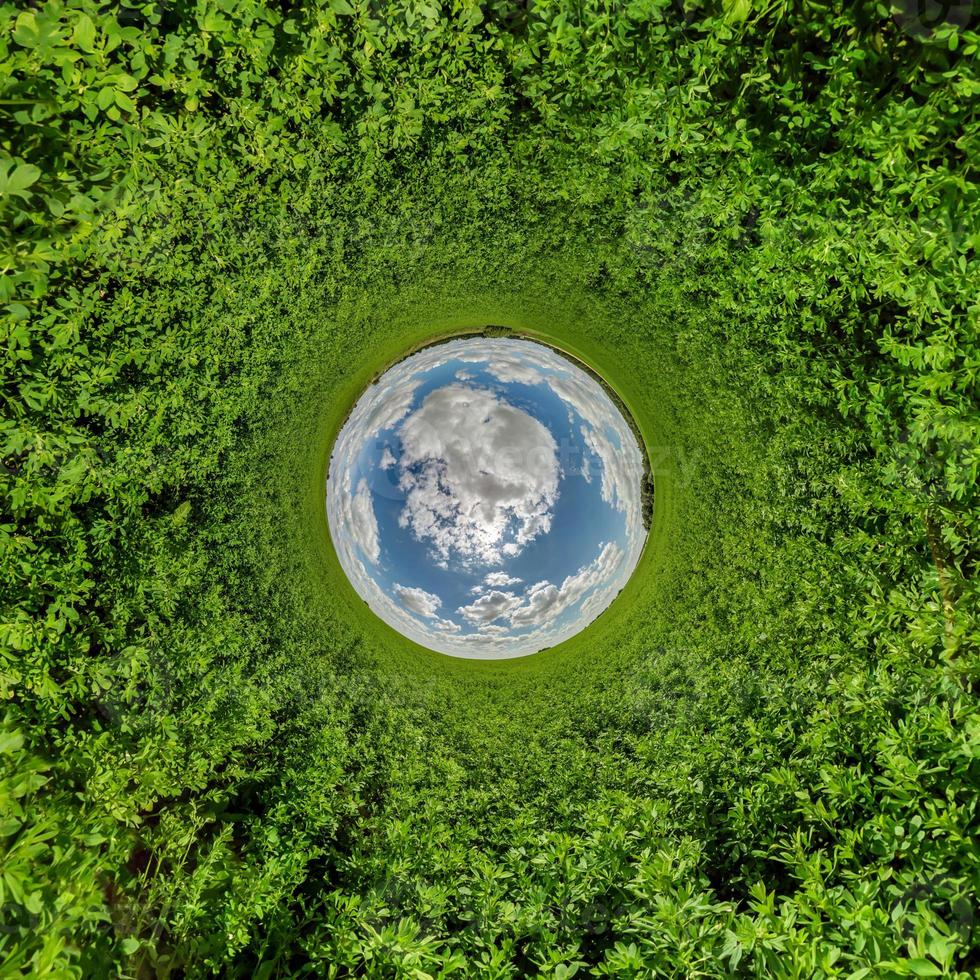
(485, 497)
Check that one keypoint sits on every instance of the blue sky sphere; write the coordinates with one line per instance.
(484, 498)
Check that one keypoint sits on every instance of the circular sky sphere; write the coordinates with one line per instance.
(485, 497)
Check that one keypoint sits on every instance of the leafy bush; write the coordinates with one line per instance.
(221, 219)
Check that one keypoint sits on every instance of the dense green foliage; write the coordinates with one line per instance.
(759, 221)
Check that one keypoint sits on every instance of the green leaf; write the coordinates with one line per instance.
(924, 968)
(18, 180)
(84, 34)
(10, 741)
(25, 31)
(737, 11)
(213, 23)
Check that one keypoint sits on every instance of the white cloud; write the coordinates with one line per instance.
(496, 639)
(542, 602)
(505, 362)
(621, 460)
(488, 641)
(476, 471)
(545, 602)
(620, 481)
(495, 580)
(362, 522)
(489, 607)
(387, 459)
(390, 403)
(418, 601)
(619, 454)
